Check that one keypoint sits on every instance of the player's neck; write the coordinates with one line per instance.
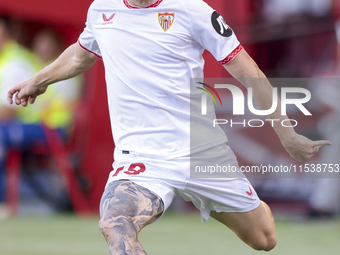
(141, 3)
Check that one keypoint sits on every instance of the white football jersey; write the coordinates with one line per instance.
(150, 54)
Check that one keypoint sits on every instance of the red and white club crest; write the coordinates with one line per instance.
(166, 19)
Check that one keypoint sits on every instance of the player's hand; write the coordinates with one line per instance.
(25, 92)
(301, 148)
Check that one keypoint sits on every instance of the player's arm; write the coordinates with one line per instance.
(72, 62)
(244, 69)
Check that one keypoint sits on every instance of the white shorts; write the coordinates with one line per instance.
(168, 178)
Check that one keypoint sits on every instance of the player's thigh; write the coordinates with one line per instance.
(125, 202)
(256, 227)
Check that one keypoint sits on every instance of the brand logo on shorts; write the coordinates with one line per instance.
(166, 19)
(250, 192)
(107, 20)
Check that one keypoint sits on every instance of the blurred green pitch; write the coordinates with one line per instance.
(173, 234)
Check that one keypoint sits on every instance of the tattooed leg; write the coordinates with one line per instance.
(125, 209)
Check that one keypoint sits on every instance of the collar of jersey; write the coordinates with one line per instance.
(134, 7)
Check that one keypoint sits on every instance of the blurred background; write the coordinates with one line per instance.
(55, 157)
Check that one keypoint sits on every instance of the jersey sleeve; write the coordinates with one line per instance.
(210, 30)
(86, 39)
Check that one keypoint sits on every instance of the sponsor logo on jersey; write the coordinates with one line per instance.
(166, 19)
(220, 26)
(107, 20)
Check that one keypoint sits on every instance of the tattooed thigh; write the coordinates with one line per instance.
(125, 209)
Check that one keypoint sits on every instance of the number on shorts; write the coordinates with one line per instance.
(134, 169)
(118, 170)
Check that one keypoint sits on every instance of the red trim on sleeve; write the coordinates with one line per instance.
(134, 7)
(232, 55)
(89, 50)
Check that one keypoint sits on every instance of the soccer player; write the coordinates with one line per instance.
(151, 49)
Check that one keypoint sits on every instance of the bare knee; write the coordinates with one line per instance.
(121, 235)
(114, 229)
(264, 242)
(265, 239)
(105, 228)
